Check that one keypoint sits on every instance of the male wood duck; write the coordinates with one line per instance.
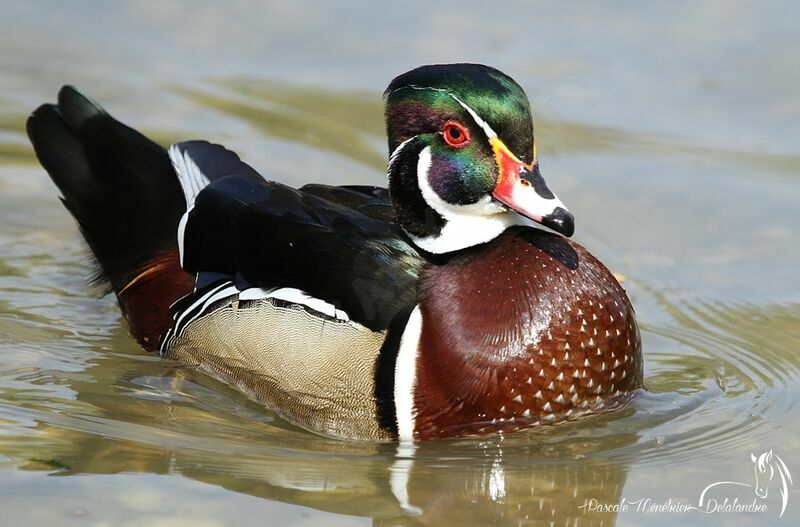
(430, 309)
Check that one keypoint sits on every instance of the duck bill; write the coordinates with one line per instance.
(521, 187)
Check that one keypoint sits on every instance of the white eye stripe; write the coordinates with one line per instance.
(477, 118)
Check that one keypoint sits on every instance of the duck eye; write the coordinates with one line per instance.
(455, 134)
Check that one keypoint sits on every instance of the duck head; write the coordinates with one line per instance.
(463, 164)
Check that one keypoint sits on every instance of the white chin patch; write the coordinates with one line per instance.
(465, 225)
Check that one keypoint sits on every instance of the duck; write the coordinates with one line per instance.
(450, 303)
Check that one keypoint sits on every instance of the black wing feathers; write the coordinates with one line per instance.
(271, 235)
(368, 200)
(339, 244)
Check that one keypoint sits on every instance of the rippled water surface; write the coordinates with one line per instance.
(671, 132)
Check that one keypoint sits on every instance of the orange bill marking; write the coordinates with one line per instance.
(507, 163)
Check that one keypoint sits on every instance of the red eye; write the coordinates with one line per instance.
(455, 134)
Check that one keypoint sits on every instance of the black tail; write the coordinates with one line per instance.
(118, 184)
(122, 190)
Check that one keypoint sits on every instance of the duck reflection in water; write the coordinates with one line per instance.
(212, 434)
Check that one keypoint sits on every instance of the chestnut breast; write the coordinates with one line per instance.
(528, 329)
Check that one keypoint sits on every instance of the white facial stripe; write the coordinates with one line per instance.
(483, 124)
(396, 152)
(477, 118)
(466, 225)
(405, 376)
(482, 208)
(400, 148)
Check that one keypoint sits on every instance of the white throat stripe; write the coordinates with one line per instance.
(466, 225)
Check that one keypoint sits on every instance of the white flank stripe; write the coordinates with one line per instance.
(254, 293)
(198, 302)
(405, 376)
(295, 296)
(228, 291)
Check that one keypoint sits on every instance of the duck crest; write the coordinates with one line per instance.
(557, 337)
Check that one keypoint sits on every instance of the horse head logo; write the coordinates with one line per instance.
(765, 466)
(764, 472)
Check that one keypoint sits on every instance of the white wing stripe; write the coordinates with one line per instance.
(190, 176)
(182, 232)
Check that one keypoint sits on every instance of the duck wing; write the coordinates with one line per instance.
(332, 243)
(366, 199)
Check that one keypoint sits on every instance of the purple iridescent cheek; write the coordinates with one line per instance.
(445, 177)
(458, 178)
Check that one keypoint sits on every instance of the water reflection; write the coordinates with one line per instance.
(126, 413)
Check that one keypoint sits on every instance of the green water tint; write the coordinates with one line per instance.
(701, 221)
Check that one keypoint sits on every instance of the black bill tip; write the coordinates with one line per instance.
(560, 220)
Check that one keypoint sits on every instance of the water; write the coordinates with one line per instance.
(670, 131)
